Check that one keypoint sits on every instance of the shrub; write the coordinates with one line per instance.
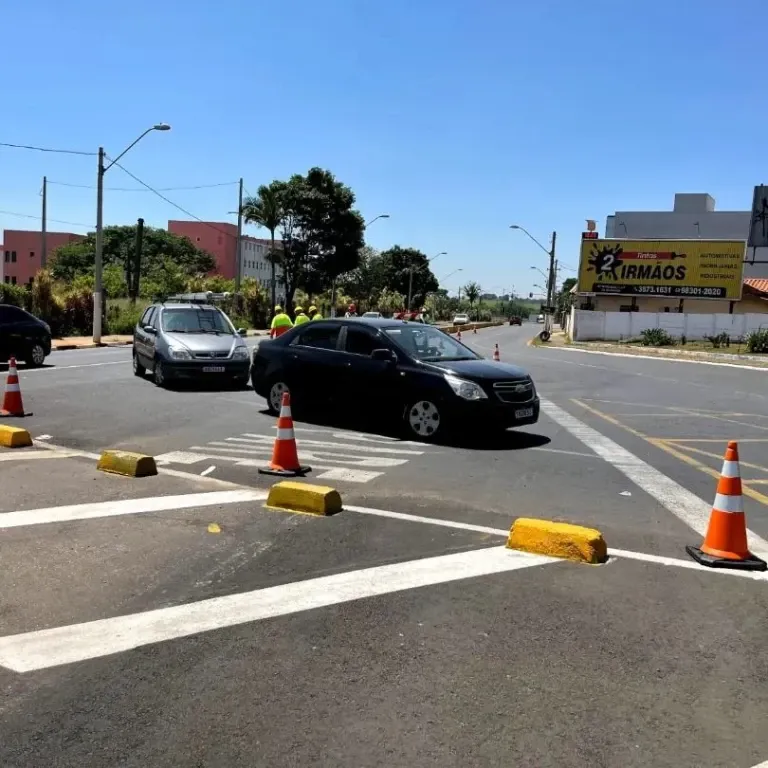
(656, 337)
(123, 320)
(721, 340)
(757, 341)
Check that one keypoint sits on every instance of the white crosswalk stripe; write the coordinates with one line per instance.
(333, 454)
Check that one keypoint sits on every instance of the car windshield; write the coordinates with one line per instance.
(195, 320)
(429, 344)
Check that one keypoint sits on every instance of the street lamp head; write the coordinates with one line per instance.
(514, 226)
(161, 127)
(384, 216)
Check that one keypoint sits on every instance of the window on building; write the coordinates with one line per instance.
(7, 256)
(31, 254)
(13, 279)
(7, 279)
(13, 256)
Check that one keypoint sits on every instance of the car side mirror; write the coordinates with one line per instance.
(150, 330)
(242, 331)
(384, 355)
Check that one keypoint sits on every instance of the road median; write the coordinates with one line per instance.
(553, 539)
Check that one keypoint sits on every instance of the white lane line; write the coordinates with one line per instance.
(566, 453)
(52, 369)
(126, 507)
(501, 532)
(208, 471)
(336, 473)
(763, 369)
(264, 450)
(366, 438)
(250, 438)
(686, 506)
(41, 454)
(65, 645)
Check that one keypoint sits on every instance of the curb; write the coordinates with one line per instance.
(14, 437)
(127, 464)
(68, 347)
(305, 498)
(698, 355)
(546, 537)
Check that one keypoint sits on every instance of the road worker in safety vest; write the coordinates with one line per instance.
(299, 318)
(280, 323)
(314, 313)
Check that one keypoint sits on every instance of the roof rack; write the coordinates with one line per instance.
(204, 297)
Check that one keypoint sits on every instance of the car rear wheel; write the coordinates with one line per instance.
(138, 368)
(36, 355)
(423, 420)
(275, 397)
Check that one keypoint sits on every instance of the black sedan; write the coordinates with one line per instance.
(23, 336)
(408, 371)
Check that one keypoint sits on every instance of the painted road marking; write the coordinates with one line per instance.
(47, 648)
(686, 506)
(32, 454)
(620, 553)
(351, 457)
(126, 507)
(51, 369)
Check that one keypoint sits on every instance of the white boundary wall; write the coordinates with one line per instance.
(586, 325)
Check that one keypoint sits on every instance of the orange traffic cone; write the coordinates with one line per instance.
(725, 545)
(496, 355)
(285, 458)
(12, 403)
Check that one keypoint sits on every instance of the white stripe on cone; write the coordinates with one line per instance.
(13, 388)
(730, 469)
(285, 412)
(285, 434)
(728, 503)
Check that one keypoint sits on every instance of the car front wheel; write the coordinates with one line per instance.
(158, 374)
(138, 368)
(275, 396)
(423, 420)
(36, 355)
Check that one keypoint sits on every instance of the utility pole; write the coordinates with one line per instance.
(239, 254)
(43, 230)
(410, 288)
(550, 285)
(134, 288)
(98, 267)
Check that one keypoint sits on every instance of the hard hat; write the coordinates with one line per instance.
(313, 308)
(278, 308)
(298, 309)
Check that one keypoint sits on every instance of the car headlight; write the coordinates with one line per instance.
(240, 353)
(179, 353)
(467, 390)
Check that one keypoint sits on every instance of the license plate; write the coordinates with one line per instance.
(213, 369)
(524, 413)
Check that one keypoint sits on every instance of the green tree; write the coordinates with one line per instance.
(472, 293)
(396, 267)
(366, 282)
(266, 210)
(77, 259)
(322, 233)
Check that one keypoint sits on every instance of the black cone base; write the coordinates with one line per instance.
(752, 563)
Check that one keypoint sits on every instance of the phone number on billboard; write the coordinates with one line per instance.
(660, 290)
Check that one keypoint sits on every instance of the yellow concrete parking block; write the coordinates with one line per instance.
(127, 463)
(14, 437)
(546, 537)
(303, 497)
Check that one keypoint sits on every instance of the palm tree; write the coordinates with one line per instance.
(472, 293)
(266, 210)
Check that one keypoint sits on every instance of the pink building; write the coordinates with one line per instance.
(220, 240)
(22, 251)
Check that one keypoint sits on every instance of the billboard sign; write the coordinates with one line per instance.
(758, 224)
(695, 269)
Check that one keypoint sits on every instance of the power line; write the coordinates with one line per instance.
(47, 149)
(169, 201)
(137, 189)
(40, 218)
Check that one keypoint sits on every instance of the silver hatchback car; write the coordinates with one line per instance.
(187, 337)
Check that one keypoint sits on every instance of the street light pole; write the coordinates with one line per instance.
(238, 252)
(410, 278)
(98, 261)
(550, 279)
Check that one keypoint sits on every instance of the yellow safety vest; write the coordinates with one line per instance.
(301, 319)
(317, 316)
(280, 324)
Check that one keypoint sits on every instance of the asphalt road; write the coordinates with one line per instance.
(269, 641)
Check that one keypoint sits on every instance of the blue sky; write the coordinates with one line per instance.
(457, 118)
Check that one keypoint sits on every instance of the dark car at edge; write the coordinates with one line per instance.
(392, 369)
(23, 336)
